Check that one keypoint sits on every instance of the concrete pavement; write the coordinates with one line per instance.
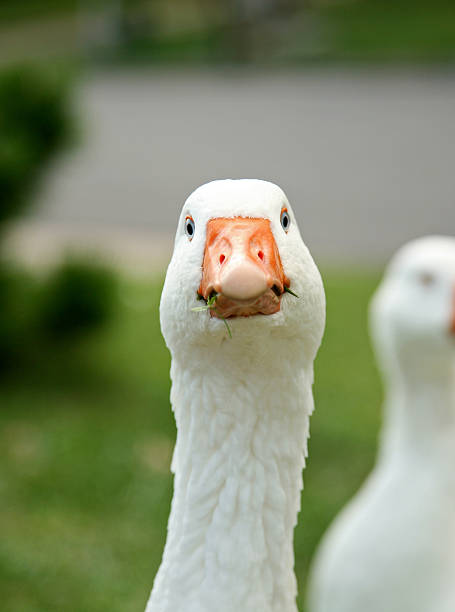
(366, 158)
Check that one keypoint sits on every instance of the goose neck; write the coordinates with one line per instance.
(419, 416)
(240, 451)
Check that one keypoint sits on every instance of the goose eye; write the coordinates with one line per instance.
(189, 227)
(285, 220)
(427, 279)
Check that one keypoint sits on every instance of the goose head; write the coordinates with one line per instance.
(238, 247)
(413, 311)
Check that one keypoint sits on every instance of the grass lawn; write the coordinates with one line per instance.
(86, 438)
(383, 31)
(321, 31)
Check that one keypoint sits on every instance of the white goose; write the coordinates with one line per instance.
(241, 404)
(393, 548)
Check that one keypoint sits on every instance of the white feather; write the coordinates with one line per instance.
(242, 408)
(392, 549)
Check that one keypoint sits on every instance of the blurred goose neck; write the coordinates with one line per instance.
(419, 415)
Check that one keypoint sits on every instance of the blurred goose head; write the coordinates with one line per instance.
(413, 311)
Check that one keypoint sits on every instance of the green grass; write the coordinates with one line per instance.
(17, 10)
(403, 32)
(319, 31)
(385, 30)
(85, 441)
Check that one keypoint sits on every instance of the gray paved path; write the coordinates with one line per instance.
(367, 159)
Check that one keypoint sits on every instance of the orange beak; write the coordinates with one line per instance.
(242, 265)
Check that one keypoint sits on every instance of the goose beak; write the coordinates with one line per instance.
(242, 265)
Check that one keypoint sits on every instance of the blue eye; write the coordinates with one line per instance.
(285, 220)
(189, 227)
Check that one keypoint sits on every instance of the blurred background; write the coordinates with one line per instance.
(111, 113)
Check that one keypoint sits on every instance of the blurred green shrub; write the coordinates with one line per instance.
(8, 323)
(78, 297)
(17, 293)
(35, 123)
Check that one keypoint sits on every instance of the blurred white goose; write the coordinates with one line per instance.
(241, 404)
(393, 548)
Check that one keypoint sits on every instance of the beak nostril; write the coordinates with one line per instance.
(276, 290)
(222, 258)
(261, 255)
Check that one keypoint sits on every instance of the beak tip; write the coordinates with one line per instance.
(243, 282)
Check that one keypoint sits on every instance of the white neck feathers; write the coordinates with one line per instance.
(240, 451)
(419, 417)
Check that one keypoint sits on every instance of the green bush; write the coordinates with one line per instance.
(17, 294)
(37, 314)
(35, 123)
(7, 321)
(78, 298)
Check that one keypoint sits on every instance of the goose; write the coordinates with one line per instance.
(392, 549)
(241, 398)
